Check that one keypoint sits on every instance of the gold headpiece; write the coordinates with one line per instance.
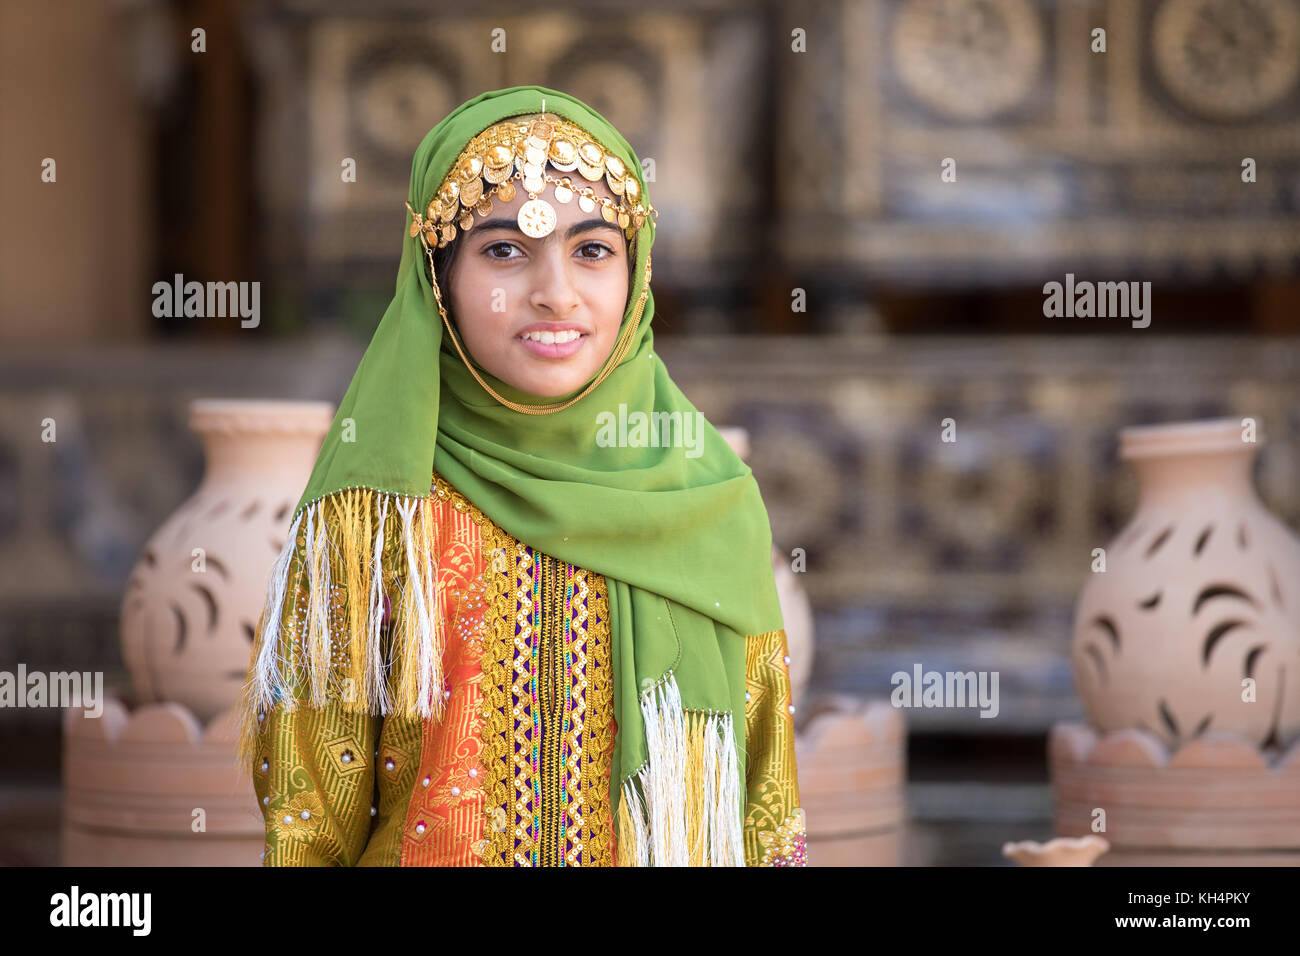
(520, 149)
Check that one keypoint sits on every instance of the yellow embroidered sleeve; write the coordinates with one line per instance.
(313, 767)
(314, 774)
(774, 833)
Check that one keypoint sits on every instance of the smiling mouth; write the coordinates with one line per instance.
(553, 338)
(553, 345)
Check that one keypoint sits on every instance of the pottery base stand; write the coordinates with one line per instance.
(852, 765)
(1216, 801)
(152, 786)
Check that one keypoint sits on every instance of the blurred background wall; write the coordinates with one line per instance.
(816, 281)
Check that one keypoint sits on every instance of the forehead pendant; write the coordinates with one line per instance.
(536, 217)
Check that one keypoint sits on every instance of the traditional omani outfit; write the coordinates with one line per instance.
(491, 639)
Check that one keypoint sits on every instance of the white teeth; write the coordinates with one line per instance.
(553, 338)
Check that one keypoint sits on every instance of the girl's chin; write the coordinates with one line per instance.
(550, 388)
(546, 380)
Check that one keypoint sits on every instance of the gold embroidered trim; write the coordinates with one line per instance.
(578, 690)
(772, 784)
(499, 603)
(522, 724)
(598, 755)
(553, 697)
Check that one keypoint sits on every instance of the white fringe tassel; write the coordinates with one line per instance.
(661, 831)
(268, 684)
(377, 689)
(318, 605)
(276, 669)
(415, 595)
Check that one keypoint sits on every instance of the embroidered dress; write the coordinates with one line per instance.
(517, 770)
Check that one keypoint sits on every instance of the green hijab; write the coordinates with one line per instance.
(683, 542)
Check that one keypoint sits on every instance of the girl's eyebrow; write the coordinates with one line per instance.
(575, 229)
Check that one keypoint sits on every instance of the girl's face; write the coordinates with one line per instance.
(509, 290)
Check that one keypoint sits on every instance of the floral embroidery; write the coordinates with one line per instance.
(788, 846)
(302, 815)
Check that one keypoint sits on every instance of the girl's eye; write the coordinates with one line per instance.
(493, 251)
(599, 248)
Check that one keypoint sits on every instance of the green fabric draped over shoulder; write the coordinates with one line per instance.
(683, 540)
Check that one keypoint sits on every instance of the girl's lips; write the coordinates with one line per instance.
(556, 350)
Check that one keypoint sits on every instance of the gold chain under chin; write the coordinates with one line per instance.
(620, 348)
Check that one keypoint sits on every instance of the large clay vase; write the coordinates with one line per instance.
(192, 602)
(1194, 626)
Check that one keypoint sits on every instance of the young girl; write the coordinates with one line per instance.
(495, 637)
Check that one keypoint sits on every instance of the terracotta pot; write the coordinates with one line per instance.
(852, 764)
(1198, 596)
(193, 600)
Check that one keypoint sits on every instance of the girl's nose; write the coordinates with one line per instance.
(553, 288)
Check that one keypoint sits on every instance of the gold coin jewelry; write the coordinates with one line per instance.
(520, 148)
(537, 217)
(471, 192)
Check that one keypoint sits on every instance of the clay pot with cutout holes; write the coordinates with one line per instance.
(193, 600)
(1194, 627)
